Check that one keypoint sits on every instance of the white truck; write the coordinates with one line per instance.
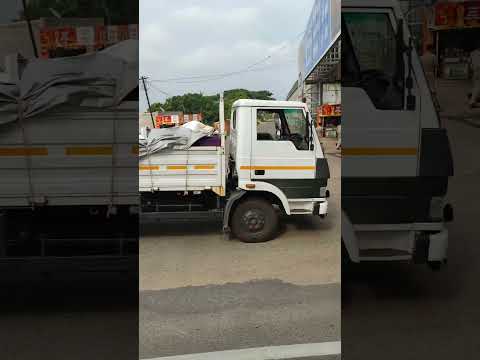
(271, 162)
(69, 159)
(396, 155)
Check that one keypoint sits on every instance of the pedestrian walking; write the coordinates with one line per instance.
(430, 65)
(429, 62)
(339, 133)
(475, 63)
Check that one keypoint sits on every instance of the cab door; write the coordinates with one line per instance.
(381, 133)
(283, 153)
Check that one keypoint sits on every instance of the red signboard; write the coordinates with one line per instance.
(472, 13)
(87, 38)
(161, 120)
(450, 15)
(330, 110)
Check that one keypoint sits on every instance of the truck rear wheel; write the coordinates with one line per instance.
(254, 220)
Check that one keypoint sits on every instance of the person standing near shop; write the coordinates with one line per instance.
(429, 62)
(339, 133)
(475, 62)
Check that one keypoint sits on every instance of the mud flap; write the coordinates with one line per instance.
(234, 197)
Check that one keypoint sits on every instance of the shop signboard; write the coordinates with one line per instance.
(161, 120)
(472, 13)
(327, 110)
(168, 120)
(83, 38)
(192, 117)
(57, 38)
(322, 30)
(85, 35)
(451, 15)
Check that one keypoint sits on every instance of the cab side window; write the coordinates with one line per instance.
(269, 125)
(283, 125)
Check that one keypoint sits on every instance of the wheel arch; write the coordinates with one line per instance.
(241, 195)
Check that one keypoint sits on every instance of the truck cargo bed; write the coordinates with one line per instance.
(71, 156)
(196, 169)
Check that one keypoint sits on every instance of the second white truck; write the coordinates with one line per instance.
(272, 162)
(396, 157)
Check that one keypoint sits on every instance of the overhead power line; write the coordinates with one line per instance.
(201, 78)
(225, 75)
(152, 86)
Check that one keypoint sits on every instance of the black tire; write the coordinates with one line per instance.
(254, 220)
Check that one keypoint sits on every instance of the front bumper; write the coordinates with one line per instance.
(438, 246)
(322, 208)
(431, 247)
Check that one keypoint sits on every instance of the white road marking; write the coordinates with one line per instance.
(265, 353)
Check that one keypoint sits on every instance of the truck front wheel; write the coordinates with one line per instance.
(254, 220)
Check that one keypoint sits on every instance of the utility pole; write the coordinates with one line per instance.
(143, 78)
(30, 29)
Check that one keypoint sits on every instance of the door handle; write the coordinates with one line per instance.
(259, 172)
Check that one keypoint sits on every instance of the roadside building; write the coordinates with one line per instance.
(319, 65)
(294, 94)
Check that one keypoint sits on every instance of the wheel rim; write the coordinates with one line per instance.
(253, 221)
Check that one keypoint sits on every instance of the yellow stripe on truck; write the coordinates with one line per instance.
(23, 151)
(177, 167)
(144, 167)
(88, 150)
(277, 167)
(379, 151)
(204, 167)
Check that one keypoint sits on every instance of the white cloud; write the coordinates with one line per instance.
(199, 38)
(196, 15)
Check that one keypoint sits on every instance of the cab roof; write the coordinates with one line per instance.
(372, 4)
(268, 103)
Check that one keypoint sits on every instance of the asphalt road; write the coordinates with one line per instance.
(234, 316)
(409, 312)
(201, 292)
(78, 317)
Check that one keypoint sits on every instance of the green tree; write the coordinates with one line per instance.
(192, 103)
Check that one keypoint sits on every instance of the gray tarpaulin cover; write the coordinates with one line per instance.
(98, 80)
(179, 138)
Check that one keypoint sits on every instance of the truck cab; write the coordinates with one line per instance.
(275, 149)
(275, 155)
(396, 158)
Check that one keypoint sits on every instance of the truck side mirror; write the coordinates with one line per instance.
(401, 48)
(408, 50)
(310, 130)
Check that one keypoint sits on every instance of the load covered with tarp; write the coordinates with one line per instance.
(98, 80)
(174, 138)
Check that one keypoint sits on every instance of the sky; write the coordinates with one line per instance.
(193, 38)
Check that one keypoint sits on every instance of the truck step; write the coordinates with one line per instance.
(373, 253)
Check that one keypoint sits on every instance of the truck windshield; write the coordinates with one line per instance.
(297, 125)
(369, 58)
